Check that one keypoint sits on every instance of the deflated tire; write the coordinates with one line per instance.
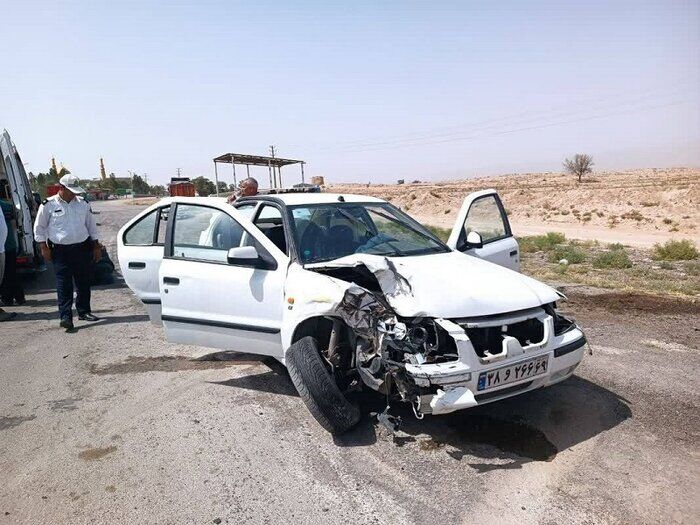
(318, 389)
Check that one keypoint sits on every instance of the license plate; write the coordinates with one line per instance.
(512, 373)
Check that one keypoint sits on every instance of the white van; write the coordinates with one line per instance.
(13, 175)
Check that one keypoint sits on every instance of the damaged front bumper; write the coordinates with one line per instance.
(464, 383)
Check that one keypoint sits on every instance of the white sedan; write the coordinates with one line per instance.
(349, 292)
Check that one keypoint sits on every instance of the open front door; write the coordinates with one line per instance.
(140, 251)
(221, 286)
(483, 213)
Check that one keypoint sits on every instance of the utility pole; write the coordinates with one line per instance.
(275, 172)
(178, 172)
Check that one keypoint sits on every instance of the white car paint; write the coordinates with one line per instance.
(214, 304)
(21, 193)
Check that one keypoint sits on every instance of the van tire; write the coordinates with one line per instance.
(318, 389)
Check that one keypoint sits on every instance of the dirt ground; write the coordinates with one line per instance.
(637, 207)
(114, 425)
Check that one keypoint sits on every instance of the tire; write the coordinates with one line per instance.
(318, 389)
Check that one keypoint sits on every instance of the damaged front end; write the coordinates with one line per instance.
(442, 365)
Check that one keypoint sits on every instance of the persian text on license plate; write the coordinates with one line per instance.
(512, 373)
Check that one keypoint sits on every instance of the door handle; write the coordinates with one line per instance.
(137, 265)
(514, 253)
(171, 280)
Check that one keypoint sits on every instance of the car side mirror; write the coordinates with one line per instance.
(243, 256)
(474, 240)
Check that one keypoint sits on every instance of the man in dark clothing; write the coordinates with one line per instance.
(11, 288)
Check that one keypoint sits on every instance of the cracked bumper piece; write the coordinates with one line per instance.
(457, 382)
(452, 400)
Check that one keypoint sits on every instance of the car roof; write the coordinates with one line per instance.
(288, 199)
(293, 199)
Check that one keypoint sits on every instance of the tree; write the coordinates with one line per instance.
(203, 186)
(223, 187)
(157, 189)
(581, 165)
(139, 185)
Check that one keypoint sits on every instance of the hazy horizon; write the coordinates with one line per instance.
(365, 93)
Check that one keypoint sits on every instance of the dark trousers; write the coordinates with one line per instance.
(71, 264)
(11, 287)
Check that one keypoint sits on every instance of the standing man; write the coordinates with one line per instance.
(11, 290)
(67, 235)
(246, 188)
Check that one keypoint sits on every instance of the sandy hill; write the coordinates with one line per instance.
(638, 207)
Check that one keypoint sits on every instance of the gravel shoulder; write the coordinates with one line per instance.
(114, 424)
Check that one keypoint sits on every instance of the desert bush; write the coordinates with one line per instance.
(634, 215)
(616, 258)
(692, 268)
(442, 233)
(616, 246)
(541, 243)
(649, 204)
(434, 194)
(573, 254)
(683, 250)
(667, 221)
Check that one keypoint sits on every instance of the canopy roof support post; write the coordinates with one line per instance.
(302, 173)
(233, 166)
(216, 178)
(247, 169)
(279, 172)
(269, 170)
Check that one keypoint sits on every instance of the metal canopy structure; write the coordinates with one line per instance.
(274, 166)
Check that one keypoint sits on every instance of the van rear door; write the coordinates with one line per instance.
(20, 197)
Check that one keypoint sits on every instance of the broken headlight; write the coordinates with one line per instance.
(562, 324)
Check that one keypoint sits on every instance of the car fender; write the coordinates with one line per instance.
(308, 294)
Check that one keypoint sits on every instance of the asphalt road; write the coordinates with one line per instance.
(114, 425)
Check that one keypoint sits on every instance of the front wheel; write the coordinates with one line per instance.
(318, 389)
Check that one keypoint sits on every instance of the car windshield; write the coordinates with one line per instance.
(329, 231)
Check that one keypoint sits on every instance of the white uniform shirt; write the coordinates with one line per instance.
(3, 233)
(64, 222)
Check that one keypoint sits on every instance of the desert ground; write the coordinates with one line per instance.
(114, 425)
(637, 207)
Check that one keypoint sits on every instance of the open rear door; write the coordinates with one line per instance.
(140, 251)
(482, 212)
(21, 196)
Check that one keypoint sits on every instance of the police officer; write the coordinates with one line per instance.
(67, 235)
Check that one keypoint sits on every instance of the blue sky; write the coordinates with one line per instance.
(363, 91)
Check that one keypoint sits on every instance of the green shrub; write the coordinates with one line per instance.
(616, 258)
(442, 233)
(616, 246)
(683, 250)
(692, 268)
(573, 254)
(541, 243)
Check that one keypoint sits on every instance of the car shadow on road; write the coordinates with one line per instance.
(534, 426)
(274, 381)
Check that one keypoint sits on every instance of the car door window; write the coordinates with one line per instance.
(141, 233)
(485, 216)
(148, 231)
(204, 234)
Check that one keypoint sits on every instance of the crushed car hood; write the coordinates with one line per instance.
(448, 285)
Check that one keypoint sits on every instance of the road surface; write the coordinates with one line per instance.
(114, 425)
